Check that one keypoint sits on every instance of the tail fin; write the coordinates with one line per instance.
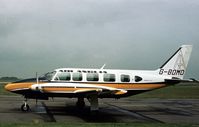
(176, 65)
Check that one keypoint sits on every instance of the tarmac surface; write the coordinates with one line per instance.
(117, 111)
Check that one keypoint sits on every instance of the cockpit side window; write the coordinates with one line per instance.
(48, 76)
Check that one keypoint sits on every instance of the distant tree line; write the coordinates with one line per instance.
(5, 79)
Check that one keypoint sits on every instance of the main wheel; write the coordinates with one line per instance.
(25, 107)
(80, 103)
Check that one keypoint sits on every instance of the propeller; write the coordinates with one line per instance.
(37, 78)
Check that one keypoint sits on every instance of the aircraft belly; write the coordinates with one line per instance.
(27, 93)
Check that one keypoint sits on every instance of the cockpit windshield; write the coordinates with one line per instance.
(48, 76)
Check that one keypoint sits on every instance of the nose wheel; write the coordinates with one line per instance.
(25, 107)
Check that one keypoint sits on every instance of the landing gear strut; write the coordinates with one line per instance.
(80, 103)
(94, 104)
(25, 107)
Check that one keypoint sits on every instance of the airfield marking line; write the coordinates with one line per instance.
(176, 111)
(52, 119)
(134, 114)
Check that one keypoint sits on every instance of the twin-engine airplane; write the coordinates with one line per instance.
(102, 83)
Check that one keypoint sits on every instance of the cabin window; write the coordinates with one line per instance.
(138, 78)
(63, 76)
(77, 76)
(109, 77)
(92, 77)
(125, 78)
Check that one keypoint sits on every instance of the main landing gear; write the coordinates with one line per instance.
(25, 107)
(80, 103)
(94, 104)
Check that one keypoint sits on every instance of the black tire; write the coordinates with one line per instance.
(80, 104)
(25, 108)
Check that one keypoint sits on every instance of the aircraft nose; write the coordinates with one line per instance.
(8, 87)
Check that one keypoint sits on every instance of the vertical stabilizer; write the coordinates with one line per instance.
(176, 65)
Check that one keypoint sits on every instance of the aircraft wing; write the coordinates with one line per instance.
(101, 91)
(76, 88)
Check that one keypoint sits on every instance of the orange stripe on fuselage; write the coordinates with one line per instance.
(132, 86)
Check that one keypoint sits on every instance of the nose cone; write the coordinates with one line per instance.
(9, 87)
(18, 87)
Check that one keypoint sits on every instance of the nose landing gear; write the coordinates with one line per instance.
(25, 107)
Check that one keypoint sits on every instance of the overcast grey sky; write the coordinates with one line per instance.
(42, 35)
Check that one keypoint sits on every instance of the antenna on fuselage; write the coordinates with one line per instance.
(37, 78)
(103, 67)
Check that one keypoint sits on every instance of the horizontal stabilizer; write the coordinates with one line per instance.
(174, 81)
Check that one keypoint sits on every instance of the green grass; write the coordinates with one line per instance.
(2, 91)
(173, 92)
(94, 125)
